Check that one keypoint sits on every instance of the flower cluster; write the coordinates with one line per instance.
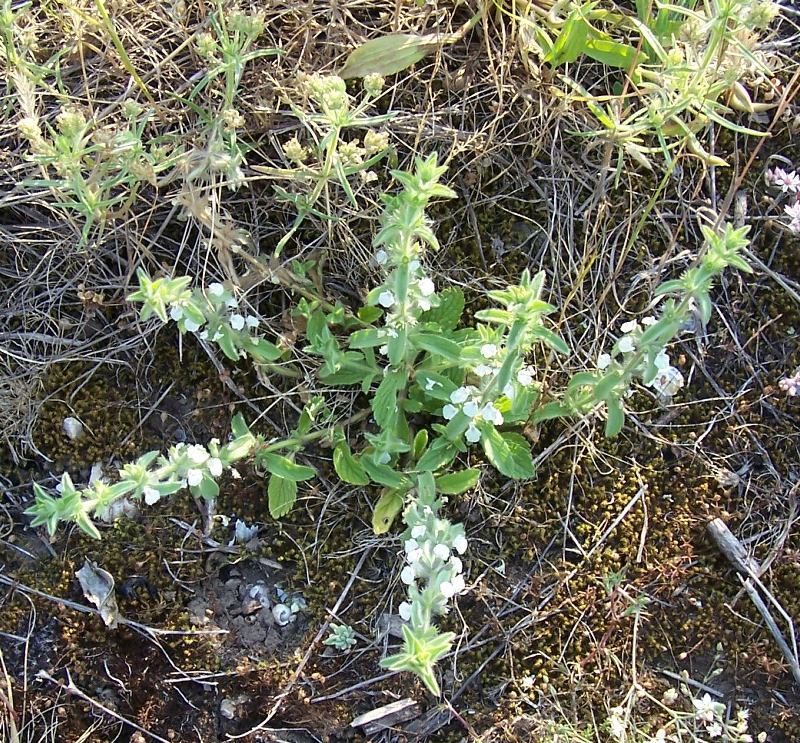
(469, 401)
(667, 379)
(213, 314)
(791, 385)
(432, 550)
(149, 478)
(420, 294)
(788, 182)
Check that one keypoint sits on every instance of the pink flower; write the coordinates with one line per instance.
(793, 210)
(786, 181)
(791, 385)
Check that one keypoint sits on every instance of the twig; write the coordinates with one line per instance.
(745, 565)
(70, 688)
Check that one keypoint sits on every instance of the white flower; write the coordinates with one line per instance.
(407, 575)
(470, 408)
(151, 495)
(488, 350)
(662, 359)
(215, 466)
(482, 370)
(384, 457)
(668, 381)
(381, 257)
(404, 610)
(628, 326)
(786, 181)
(603, 361)
(426, 287)
(707, 710)
(386, 299)
(626, 344)
(414, 265)
(449, 412)
(670, 696)
(460, 544)
(423, 304)
(616, 726)
(446, 588)
(491, 414)
(194, 477)
(456, 564)
(190, 325)
(509, 391)
(197, 453)
(472, 435)
(176, 312)
(714, 730)
(442, 551)
(410, 545)
(460, 395)
(793, 210)
(384, 350)
(525, 376)
(414, 556)
(418, 532)
(457, 581)
(648, 321)
(231, 303)
(237, 321)
(216, 289)
(251, 321)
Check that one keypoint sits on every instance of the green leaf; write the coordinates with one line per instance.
(570, 43)
(386, 510)
(426, 488)
(613, 53)
(437, 345)
(616, 417)
(239, 426)
(435, 385)
(448, 313)
(387, 55)
(367, 338)
(384, 474)
(454, 483)
(369, 314)
(606, 385)
(384, 404)
(207, 489)
(440, 453)
(550, 411)
(226, 343)
(553, 340)
(509, 453)
(286, 468)
(420, 444)
(347, 466)
(260, 350)
(282, 495)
